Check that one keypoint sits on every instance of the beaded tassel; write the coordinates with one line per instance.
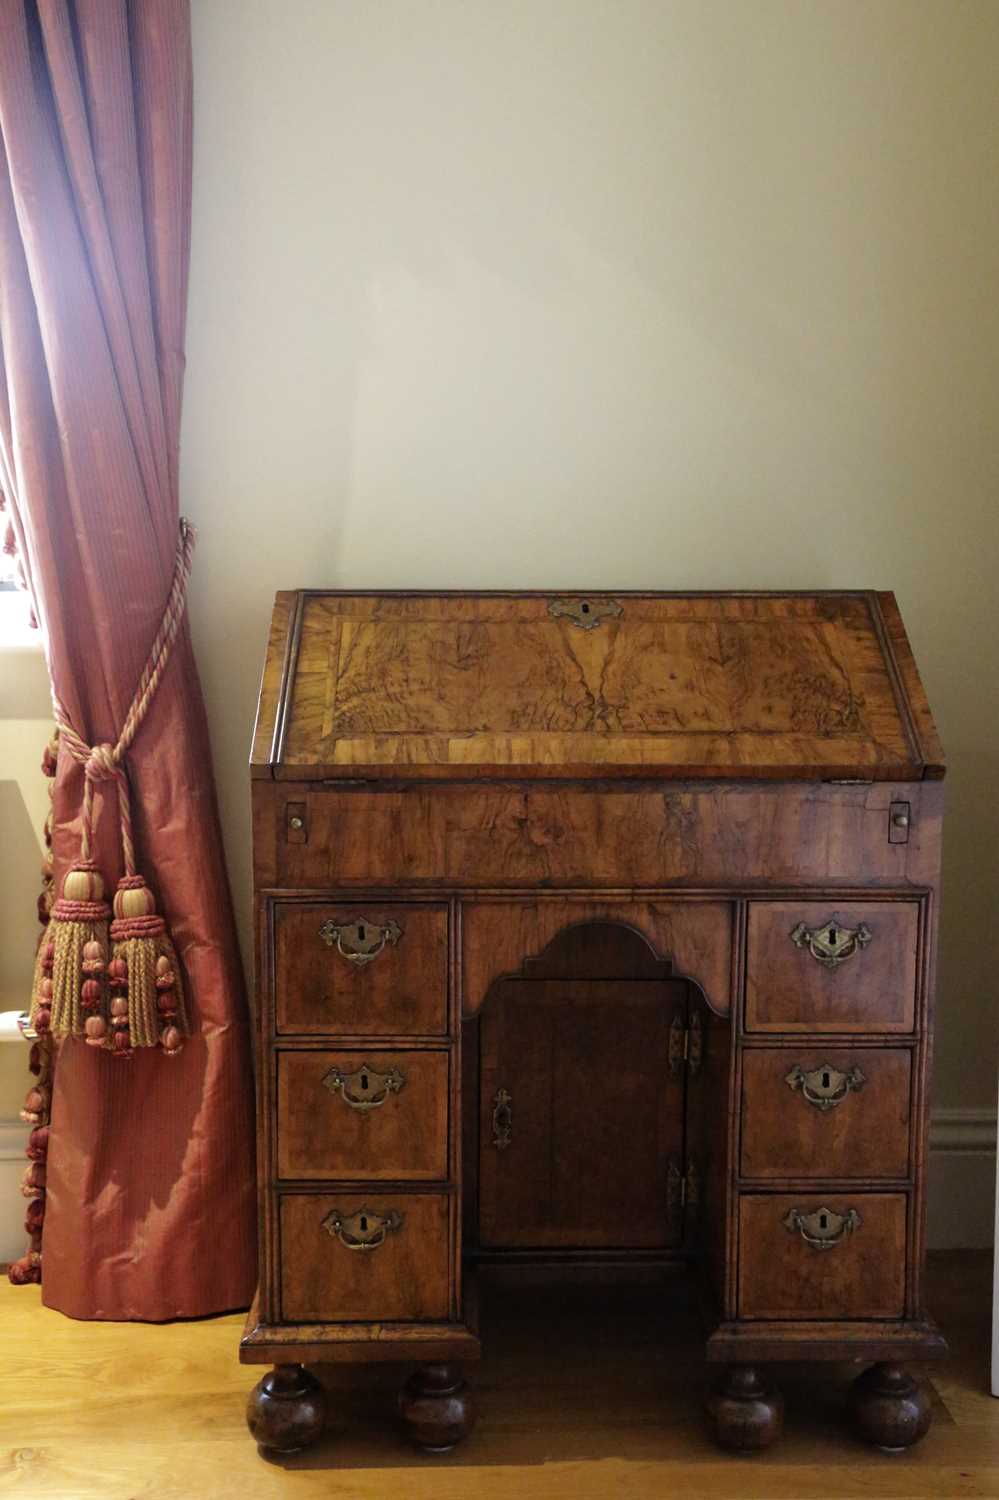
(148, 1004)
(69, 970)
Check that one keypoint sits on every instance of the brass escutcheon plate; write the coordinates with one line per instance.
(364, 1230)
(361, 941)
(825, 1086)
(586, 613)
(365, 1088)
(823, 1228)
(831, 944)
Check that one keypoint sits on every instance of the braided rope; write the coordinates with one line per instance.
(106, 762)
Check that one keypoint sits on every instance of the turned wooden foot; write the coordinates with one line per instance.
(437, 1408)
(747, 1415)
(889, 1408)
(286, 1409)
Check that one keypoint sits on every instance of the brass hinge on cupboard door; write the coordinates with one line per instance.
(686, 1043)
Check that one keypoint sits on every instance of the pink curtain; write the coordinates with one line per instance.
(149, 1208)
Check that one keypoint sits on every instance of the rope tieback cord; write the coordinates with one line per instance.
(135, 997)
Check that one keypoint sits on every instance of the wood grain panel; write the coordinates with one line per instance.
(696, 936)
(584, 1065)
(405, 1278)
(320, 1135)
(610, 836)
(402, 991)
(787, 989)
(782, 686)
(865, 1135)
(780, 1276)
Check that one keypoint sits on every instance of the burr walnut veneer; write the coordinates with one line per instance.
(595, 937)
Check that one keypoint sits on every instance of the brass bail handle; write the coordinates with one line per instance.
(825, 1086)
(360, 941)
(823, 1229)
(365, 1088)
(831, 943)
(367, 1229)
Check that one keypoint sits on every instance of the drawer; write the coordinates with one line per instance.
(371, 1257)
(824, 1255)
(826, 1111)
(361, 969)
(831, 966)
(362, 1114)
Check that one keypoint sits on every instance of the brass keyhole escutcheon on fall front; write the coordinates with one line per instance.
(586, 613)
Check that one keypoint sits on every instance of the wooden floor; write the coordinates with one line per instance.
(582, 1394)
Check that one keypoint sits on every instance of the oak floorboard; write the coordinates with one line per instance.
(584, 1394)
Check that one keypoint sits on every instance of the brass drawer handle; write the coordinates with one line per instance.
(502, 1119)
(825, 1086)
(832, 943)
(823, 1229)
(364, 1230)
(365, 1088)
(360, 942)
(586, 613)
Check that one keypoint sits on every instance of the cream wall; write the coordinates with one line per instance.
(25, 726)
(693, 293)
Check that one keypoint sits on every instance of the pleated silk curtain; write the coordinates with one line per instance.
(149, 1210)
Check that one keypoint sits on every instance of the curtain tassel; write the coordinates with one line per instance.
(68, 997)
(148, 1004)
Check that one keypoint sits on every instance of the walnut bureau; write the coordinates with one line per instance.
(595, 936)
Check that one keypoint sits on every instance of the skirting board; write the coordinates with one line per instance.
(960, 1188)
(961, 1179)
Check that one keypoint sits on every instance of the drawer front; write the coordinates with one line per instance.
(828, 966)
(374, 1257)
(361, 969)
(371, 1115)
(822, 1255)
(826, 1112)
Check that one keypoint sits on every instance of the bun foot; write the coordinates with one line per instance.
(747, 1415)
(437, 1408)
(889, 1408)
(286, 1409)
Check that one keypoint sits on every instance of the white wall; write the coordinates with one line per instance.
(686, 293)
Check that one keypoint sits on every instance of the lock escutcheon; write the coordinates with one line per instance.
(360, 941)
(825, 1086)
(365, 1088)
